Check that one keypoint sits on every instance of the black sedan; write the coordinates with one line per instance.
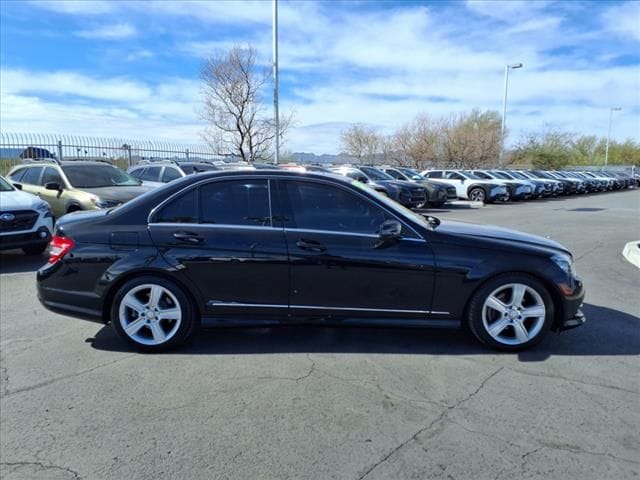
(277, 247)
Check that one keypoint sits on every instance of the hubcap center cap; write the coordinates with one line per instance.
(513, 314)
(150, 314)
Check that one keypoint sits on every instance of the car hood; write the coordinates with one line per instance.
(118, 194)
(18, 200)
(396, 183)
(499, 233)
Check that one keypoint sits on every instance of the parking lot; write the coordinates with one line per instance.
(347, 403)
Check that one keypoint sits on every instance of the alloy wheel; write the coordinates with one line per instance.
(477, 195)
(513, 314)
(150, 314)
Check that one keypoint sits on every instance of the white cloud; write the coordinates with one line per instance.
(76, 7)
(109, 32)
(624, 20)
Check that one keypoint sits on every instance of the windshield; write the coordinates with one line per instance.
(412, 174)
(5, 186)
(502, 175)
(472, 175)
(485, 175)
(519, 175)
(375, 174)
(95, 176)
(393, 205)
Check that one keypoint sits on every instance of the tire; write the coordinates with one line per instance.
(35, 249)
(139, 319)
(477, 194)
(437, 204)
(73, 208)
(499, 322)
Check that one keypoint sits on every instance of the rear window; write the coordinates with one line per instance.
(170, 173)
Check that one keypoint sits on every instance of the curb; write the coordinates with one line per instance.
(631, 252)
(464, 204)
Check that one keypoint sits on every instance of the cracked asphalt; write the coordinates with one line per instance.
(324, 403)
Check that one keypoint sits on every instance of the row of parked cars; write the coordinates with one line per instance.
(26, 221)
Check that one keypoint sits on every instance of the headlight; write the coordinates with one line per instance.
(43, 207)
(565, 262)
(101, 203)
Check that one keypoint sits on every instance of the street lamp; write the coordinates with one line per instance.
(606, 152)
(509, 66)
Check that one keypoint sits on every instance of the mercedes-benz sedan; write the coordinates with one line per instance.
(275, 247)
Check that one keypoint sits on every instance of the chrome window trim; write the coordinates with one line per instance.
(214, 303)
(349, 234)
(214, 225)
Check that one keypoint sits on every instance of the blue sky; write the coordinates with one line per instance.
(130, 69)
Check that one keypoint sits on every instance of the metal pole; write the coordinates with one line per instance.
(504, 114)
(276, 112)
(606, 151)
(59, 150)
(186, 154)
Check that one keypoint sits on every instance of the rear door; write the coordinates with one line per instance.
(220, 234)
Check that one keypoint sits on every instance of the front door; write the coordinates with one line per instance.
(220, 235)
(340, 268)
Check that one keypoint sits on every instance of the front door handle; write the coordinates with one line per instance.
(311, 245)
(188, 237)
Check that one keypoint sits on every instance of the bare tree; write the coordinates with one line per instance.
(416, 143)
(361, 142)
(470, 140)
(232, 86)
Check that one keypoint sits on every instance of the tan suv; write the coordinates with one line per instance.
(76, 185)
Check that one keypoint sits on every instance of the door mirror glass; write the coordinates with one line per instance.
(390, 230)
(53, 186)
(18, 186)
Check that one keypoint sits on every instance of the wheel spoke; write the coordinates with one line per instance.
(157, 332)
(517, 294)
(133, 303)
(497, 327)
(154, 296)
(521, 332)
(169, 314)
(135, 326)
(496, 304)
(535, 311)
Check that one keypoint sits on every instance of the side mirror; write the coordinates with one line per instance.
(53, 186)
(18, 186)
(390, 231)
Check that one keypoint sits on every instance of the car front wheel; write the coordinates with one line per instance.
(477, 195)
(511, 312)
(152, 314)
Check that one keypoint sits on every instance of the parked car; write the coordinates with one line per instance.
(158, 172)
(606, 183)
(557, 185)
(438, 193)
(406, 193)
(278, 247)
(26, 221)
(470, 187)
(572, 184)
(516, 189)
(77, 185)
(541, 188)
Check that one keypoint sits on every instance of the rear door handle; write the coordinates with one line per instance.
(188, 237)
(310, 245)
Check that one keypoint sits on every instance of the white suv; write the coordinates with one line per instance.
(469, 186)
(26, 221)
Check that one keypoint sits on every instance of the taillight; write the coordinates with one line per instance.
(58, 247)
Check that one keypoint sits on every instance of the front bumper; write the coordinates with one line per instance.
(574, 322)
(10, 241)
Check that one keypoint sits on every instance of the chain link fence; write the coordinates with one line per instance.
(15, 147)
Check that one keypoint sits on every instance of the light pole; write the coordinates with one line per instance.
(504, 106)
(275, 82)
(606, 152)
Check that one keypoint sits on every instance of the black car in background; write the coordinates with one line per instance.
(277, 247)
(437, 193)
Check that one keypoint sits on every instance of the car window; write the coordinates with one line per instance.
(183, 209)
(18, 174)
(394, 173)
(454, 176)
(235, 202)
(151, 174)
(96, 176)
(198, 167)
(136, 172)
(32, 176)
(5, 186)
(325, 207)
(170, 173)
(434, 174)
(50, 175)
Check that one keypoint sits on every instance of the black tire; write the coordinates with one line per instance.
(35, 249)
(73, 208)
(437, 204)
(477, 194)
(476, 305)
(182, 333)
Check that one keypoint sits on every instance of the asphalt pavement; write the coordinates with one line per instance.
(326, 403)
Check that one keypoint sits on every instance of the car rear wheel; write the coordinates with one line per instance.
(511, 312)
(152, 314)
(477, 195)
